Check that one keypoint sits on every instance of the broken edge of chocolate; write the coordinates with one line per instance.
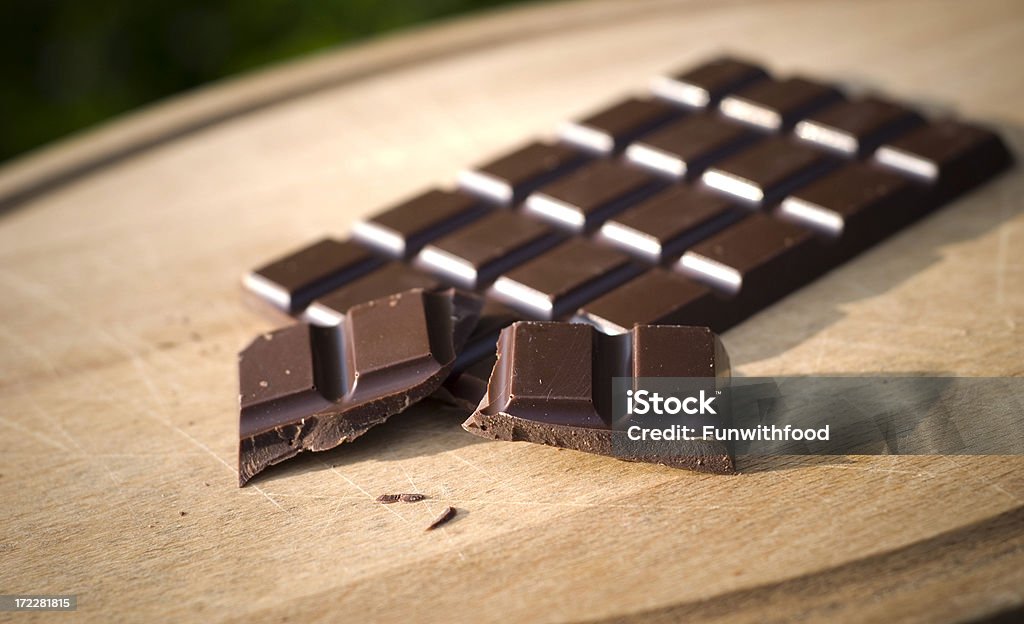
(552, 385)
(308, 388)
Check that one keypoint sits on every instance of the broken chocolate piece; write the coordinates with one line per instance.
(446, 515)
(412, 498)
(307, 388)
(387, 499)
(552, 385)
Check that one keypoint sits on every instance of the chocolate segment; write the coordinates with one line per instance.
(856, 128)
(478, 253)
(294, 280)
(393, 277)
(950, 156)
(582, 200)
(767, 171)
(757, 260)
(509, 179)
(559, 281)
(665, 224)
(688, 146)
(403, 230)
(552, 385)
(704, 85)
(307, 388)
(657, 297)
(856, 205)
(778, 104)
(611, 129)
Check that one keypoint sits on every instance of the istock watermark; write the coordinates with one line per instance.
(908, 415)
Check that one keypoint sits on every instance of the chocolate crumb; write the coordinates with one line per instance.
(182, 513)
(446, 515)
(387, 499)
(412, 498)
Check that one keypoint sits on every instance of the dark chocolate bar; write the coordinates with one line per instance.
(552, 385)
(309, 388)
(702, 206)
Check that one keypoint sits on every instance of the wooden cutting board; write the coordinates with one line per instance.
(120, 257)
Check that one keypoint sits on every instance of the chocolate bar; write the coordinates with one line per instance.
(724, 192)
(552, 385)
(309, 388)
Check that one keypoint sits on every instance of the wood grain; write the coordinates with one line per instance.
(122, 318)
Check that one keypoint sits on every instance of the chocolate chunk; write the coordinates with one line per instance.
(686, 147)
(767, 171)
(387, 499)
(509, 179)
(778, 104)
(412, 498)
(403, 230)
(393, 277)
(657, 297)
(704, 85)
(312, 388)
(294, 280)
(756, 260)
(446, 515)
(952, 157)
(858, 205)
(557, 282)
(582, 200)
(665, 224)
(857, 128)
(552, 385)
(611, 129)
(475, 255)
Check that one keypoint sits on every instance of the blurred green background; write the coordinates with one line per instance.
(68, 64)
